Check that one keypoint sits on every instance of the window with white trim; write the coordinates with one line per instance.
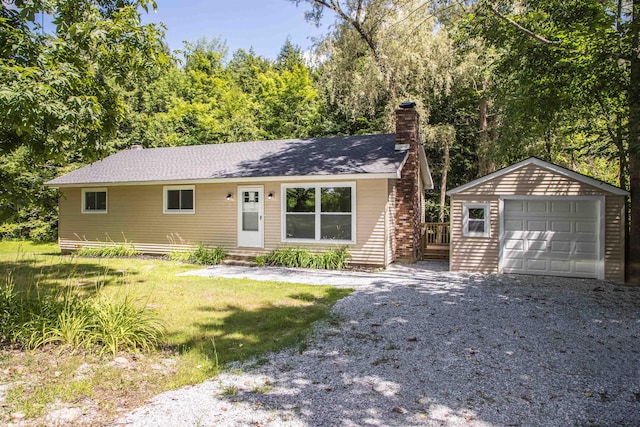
(319, 212)
(180, 199)
(94, 200)
(475, 220)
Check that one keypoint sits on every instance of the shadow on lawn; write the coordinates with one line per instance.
(236, 333)
(90, 277)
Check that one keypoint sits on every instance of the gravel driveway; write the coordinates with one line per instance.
(415, 346)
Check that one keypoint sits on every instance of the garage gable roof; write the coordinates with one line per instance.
(545, 165)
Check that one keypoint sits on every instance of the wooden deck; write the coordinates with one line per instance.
(436, 238)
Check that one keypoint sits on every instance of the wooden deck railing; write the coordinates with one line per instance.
(436, 233)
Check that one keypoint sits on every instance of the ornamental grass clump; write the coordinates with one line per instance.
(334, 259)
(201, 255)
(112, 251)
(40, 316)
(121, 325)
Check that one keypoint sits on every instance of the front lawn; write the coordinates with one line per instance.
(209, 322)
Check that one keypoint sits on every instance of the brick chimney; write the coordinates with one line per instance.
(408, 200)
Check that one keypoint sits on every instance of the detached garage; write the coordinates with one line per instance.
(535, 217)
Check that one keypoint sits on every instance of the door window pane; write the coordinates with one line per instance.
(250, 211)
(250, 221)
(250, 196)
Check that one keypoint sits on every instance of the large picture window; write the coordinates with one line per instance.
(319, 212)
(180, 199)
(94, 200)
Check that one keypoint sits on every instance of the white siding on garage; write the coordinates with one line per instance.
(556, 236)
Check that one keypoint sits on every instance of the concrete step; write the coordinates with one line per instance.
(240, 262)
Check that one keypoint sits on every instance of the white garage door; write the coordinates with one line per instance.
(553, 237)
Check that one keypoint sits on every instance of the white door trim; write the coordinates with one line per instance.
(252, 239)
(601, 215)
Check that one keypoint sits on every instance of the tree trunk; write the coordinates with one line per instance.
(443, 185)
(633, 259)
(356, 18)
(623, 167)
(485, 165)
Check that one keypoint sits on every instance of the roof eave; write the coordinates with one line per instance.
(425, 170)
(333, 177)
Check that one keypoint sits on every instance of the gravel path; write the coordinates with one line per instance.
(415, 346)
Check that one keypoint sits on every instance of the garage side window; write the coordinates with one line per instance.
(179, 199)
(475, 220)
(94, 200)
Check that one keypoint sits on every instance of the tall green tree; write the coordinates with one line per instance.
(288, 96)
(61, 91)
(214, 100)
(61, 97)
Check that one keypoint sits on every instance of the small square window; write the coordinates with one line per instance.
(179, 199)
(94, 200)
(475, 220)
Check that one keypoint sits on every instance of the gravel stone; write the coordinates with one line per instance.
(417, 345)
(64, 416)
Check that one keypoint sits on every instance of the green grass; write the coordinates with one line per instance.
(11, 248)
(208, 322)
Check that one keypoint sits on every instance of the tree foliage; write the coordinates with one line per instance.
(569, 86)
(61, 91)
(380, 53)
(560, 79)
(61, 95)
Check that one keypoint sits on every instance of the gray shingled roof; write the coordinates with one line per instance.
(362, 154)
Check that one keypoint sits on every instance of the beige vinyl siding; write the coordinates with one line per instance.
(474, 254)
(614, 242)
(369, 248)
(135, 214)
(532, 180)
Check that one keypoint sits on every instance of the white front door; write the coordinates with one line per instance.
(250, 216)
(557, 237)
